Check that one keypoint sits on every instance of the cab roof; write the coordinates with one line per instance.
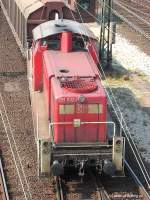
(58, 26)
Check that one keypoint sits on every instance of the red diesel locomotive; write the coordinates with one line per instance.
(24, 15)
(69, 102)
(72, 124)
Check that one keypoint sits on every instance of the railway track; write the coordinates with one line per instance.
(134, 15)
(15, 96)
(135, 21)
(19, 161)
(16, 178)
(121, 188)
(71, 186)
(3, 187)
(93, 186)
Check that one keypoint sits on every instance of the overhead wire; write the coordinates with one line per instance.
(122, 18)
(123, 119)
(118, 109)
(120, 112)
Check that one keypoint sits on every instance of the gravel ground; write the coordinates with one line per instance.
(129, 59)
(10, 57)
(130, 56)
(129, 82)
(136, 119)
(15, 93)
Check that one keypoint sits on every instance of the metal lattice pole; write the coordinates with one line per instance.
(105, 50)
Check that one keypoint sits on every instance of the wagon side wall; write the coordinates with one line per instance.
(17, 22)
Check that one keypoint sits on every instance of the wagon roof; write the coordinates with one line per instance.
(58, 26)
(29, 6)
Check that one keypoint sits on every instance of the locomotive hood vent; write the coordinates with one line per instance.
(79, 85)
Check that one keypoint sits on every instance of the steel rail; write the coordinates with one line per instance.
(131, 24)
(132, 13)
(101, 192)
(3, 191)
(11, 141)
(135, 9)
(141, 3)
(142, 189)
(99, 188)
(147, 197)
(59, 191)
(126, 130)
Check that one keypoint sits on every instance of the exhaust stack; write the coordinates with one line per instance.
(66, 42)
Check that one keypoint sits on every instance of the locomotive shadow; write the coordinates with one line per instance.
(122, 184)
(116, 70)
(123, 76)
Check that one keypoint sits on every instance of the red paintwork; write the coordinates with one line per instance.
(93, 50)
(77, 63)
(37, 66)
(66, 42)
(53, 61)
(57, 60)
(51, 69)
(86, 133)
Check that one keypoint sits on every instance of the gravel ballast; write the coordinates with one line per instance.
(130, 83)
(130, 56)
(130, 93)
(15, 93)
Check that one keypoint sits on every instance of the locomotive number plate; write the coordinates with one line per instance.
(67, 100)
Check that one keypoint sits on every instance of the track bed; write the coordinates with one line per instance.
(74, 188)
(136, 22)
(16, 111)
(94, 186)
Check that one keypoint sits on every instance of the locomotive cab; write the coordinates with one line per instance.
(70, 104)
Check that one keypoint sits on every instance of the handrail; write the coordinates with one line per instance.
(82, 123)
